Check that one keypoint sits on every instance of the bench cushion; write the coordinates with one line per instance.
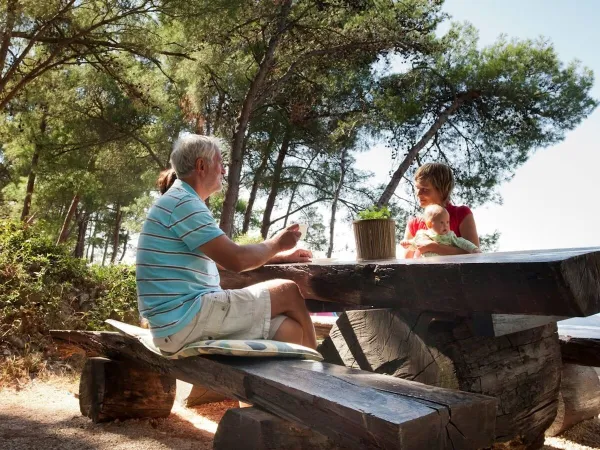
(230, 347)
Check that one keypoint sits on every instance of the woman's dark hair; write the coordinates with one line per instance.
(165, 180)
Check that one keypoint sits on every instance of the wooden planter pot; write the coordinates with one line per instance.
(375, 239)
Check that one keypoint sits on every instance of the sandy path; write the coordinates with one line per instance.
(45, 416)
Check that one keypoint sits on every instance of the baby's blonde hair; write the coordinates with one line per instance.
(431, 212)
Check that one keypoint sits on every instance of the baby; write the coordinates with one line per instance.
(438, 230)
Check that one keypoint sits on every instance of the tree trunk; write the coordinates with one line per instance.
(336, 196)
(237, 146)
(521, 369)
(32, 171)
(105, 250)
(414, 151)
(110, 390)
(266, 223)
(125, 241)
(117, 227)
(81, 232)
(257, 179)
(579, 398)
(93, 238)
(64, 232)
(294, 189)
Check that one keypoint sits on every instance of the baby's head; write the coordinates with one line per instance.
(437, 219)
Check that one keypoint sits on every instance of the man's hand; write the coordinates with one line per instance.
(294, 255)
(287, 239)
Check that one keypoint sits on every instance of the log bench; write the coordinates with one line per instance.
(297, 404)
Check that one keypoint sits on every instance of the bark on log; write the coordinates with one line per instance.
(579, 398)
(583, 351)
(356, 409)
(548, 283)
(254, 429)
(110, 390)
(522, 369)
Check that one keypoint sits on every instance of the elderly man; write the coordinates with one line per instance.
(180, 245)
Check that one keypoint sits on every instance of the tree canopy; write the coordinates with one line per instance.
(94, 93)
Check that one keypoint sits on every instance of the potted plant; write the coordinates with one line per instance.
(375, 234)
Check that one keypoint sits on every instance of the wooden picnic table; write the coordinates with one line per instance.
(480, 323)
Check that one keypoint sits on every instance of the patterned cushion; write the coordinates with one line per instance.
(230, 347)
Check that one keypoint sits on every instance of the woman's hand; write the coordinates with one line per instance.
(295, 255)
(427, 246)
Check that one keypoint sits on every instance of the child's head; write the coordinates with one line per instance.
(437, 219)
(434, 183)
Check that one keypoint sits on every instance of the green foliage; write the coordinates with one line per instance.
(488, 243)
(43, 287)
(374, 212)
(245, 239)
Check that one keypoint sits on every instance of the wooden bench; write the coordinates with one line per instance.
(298, 404)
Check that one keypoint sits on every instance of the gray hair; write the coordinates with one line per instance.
(188, 148)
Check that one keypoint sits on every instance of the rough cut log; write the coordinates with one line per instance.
(579, 398)
(549, 282)
(190, 395)
(323, 325)
(110, 390)
(254, 429)
(580, 346)
(500, 324)
(522, 369)
(353, 408)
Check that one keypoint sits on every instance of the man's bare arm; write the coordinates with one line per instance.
(239, 258)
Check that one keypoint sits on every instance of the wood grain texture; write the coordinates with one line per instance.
(579, 398)
(582, 351)
(354, 408)
(522, 369)
(190, 395)
(255, 429)
(110, 390)
(548, 283)
(375, 239)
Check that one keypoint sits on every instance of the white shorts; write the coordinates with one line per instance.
(231, 314)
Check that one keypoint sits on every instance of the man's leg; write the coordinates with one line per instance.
(289, 331)
(287, 300)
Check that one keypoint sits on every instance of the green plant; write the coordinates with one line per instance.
(375, 212)
(245, 239)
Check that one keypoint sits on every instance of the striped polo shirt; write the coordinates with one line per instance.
(172, 274)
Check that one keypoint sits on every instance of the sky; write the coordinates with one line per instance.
(551, 201)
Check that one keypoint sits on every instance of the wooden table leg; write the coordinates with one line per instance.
(111, 390)
(521, 369)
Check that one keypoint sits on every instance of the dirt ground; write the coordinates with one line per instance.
(44, 415)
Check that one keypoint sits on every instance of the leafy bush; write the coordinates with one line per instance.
(375, 212)
(245, 239)
(43, 287)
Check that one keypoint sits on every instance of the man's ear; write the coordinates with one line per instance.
(200, 165)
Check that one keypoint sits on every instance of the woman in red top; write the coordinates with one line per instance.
(434, 183)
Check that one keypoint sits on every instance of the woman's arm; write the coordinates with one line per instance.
(468, 230)
(440, 249)
(408, 252)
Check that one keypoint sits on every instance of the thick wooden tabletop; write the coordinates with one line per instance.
(563, 282)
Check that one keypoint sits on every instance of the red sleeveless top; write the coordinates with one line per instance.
(457, 215)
